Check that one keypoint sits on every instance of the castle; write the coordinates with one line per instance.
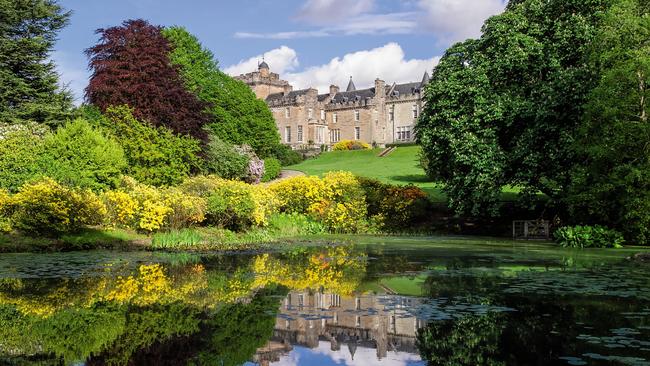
(383, 114)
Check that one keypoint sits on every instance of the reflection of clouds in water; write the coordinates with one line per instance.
(362, 357)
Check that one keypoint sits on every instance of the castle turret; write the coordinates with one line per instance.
(264, 69)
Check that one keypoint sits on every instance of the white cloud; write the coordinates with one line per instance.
(456, 20)
(448, 20)
(72, 77)
(281, 60)
(388, 63)
(321, 12)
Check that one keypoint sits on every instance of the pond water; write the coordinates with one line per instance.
(378, 301)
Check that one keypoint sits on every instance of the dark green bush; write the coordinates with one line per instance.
(272, 169)
(21, 150)
(287, 156)
(224, 160)
(588, 237)
(394, 207)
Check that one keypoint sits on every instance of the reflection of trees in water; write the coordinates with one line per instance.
(540, 331)
(214, 310)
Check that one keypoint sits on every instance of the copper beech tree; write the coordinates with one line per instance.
(130, 66)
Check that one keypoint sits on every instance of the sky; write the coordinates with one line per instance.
(310, 43)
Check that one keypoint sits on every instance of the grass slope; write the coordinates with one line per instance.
(401, 167)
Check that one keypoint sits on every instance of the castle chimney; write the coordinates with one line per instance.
(380, 88)
(333, 90)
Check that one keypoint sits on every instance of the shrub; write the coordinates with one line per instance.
(232, 206)
(49, 208)
(350, 145)
(272, 169)
(395, 207)
(224, 160)
(255, 168)
(155, 155)
(266, 204)
(20, 153)
(186, 210)
(286, 155)
(81, 156)
(202, 185)
(340, 217)
(5, 223)
(588, 237)
(121, 209)
(297, 194)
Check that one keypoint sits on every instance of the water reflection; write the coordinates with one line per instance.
(341, 327)
(330, 305)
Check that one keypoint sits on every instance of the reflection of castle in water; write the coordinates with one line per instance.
(307, 319)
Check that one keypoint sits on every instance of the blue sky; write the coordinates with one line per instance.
(309, 42)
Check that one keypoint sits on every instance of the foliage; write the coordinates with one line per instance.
(287, 155)
(186, 210)
(231, 206)
(176, 239)
(288, 225)
(81, 156)
(337, 200)
(5, 201)
(46, 207)
(21, 151)
(237, 115)
(255, 168)
(470, 340)
(588, 237)
(201, 185)
(350, 145)
(155, 155)
(29, 84)
(503, 110)
(130, 66)
(225, 160)
(272, 169)
(611, 182)
(395, 207)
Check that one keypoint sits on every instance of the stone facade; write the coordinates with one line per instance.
(383, 114)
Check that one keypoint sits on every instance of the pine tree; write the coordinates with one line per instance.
(29, 84)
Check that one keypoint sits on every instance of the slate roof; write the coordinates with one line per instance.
(348, 96)
(281, 97)
(351, 86)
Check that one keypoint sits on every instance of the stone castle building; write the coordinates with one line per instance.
(383, 114)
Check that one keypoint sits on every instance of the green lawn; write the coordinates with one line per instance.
(401, 167)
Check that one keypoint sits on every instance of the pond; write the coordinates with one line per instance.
(372, 301)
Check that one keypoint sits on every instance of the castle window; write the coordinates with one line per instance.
(322, 114)
(404, 133)
(357, 133)
(415, 111)
(335, 118)
(335, 135)
(357, 116)
(300, 134)
(310, 113)
(287, 134)
(320, 134)
(287, 112)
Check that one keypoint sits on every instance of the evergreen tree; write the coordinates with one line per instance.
(29, 84)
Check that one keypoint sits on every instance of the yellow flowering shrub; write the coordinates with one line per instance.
(350, 145)
(202, 186)
(297, 194)
(266, 204)
(346, 217)
(47, 207)
(121, 208)
(186, 210)
(5, 203)
(232, 206)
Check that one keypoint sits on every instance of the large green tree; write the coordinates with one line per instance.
(612, 176)
(29, 84)
(503, 110)
(238, 116)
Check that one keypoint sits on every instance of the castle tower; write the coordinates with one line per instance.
(264, 82)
